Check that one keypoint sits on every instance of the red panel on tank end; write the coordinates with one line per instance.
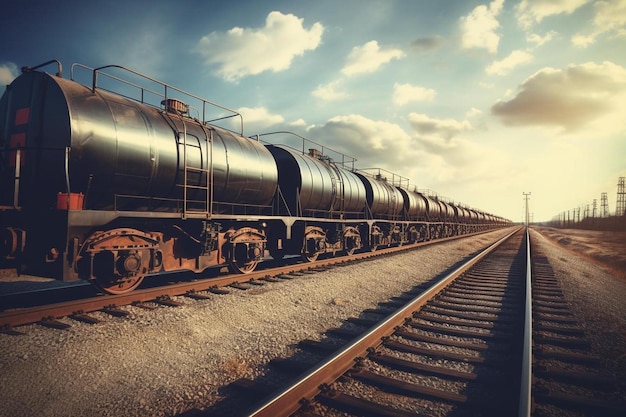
(21, 116)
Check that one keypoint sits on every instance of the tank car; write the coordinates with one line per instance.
(319, 191)
(99, 186)
(112, 185)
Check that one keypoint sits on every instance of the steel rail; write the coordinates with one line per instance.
(287, 402)
(18, 317)
(525, 398)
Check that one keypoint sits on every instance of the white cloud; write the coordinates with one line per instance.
(240, 52)
(258, 118)
(479, 27)
(473, 112)
(368, 58)
(583, 41)
(406, 93)
(374, 143)
(587, 95)
(530, 12)
(459, 163)
(442, 128)
(609, 18)
(298, 123)
(504, 66)
(610, 15)
(541, 40)
(8, 72)
(330, 91)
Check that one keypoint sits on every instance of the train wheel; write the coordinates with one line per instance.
(244, 250)
(242, 267)
(117, 286)
(116, 261)
(314, 243)
(352, 240)
(310, 257)
(245, 257)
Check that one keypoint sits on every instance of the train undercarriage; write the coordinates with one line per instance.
(116, 252)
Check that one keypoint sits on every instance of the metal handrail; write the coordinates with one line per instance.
(18, 166)
(163, 95)
(351, 160)
(53, 61)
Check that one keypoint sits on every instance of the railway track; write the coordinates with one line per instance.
(463, 347)
(78, 304)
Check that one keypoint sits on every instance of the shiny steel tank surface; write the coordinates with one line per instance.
(462, 214)
(446, 210)
(382, 197)
(414, 204)
(120, 146)
(316, 184)
(434, 210)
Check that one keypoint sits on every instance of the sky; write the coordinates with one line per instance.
(479, 101)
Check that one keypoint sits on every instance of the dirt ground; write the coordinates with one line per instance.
(605, 248)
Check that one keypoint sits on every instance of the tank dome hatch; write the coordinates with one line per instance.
(175, 106)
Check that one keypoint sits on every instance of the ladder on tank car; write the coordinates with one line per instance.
(200, 206)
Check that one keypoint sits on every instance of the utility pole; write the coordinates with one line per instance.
(526, 198)
(620, 207)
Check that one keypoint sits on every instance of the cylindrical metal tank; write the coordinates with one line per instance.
(447, 212)
(120, 146)
(383, 198)
(432, 208)
(309, 183)
(463, 215)
(415, 204)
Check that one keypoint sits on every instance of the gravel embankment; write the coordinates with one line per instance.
(166, 361)
(597, 300)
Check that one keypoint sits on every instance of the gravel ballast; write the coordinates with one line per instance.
(166, 361)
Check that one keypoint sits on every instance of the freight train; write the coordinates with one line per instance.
(122, 177)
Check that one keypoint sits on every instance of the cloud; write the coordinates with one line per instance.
(374, 143)
(609, 18)
(406, 93)
(258, 118)
(430, 161)
(570, 99)
(443, 128)
(583, 41)
(368, 58)
(507, 64)
(8, 72)
(530, 12)
(298, 123)
(427, 44)
(539, 40)
(473, 112)
(330, 91)
(610, 15)
(479, 27)
(241, 52)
